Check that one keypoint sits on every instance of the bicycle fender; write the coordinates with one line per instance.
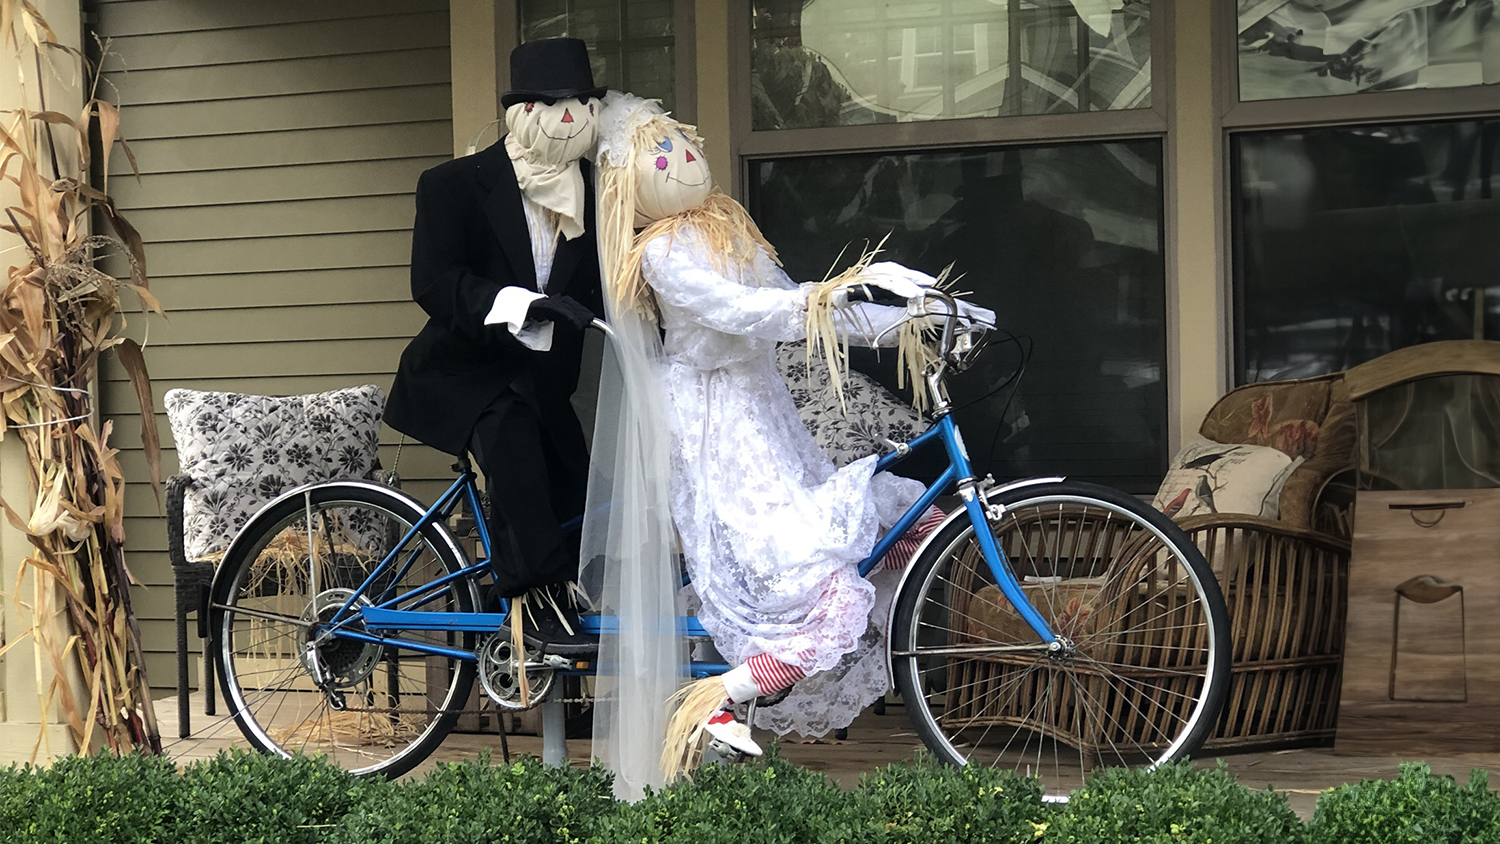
(960, 513)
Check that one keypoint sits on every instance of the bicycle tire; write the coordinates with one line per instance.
(274, 712)
(1149, 670)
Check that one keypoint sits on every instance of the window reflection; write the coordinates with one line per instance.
(1311, 48)
(1354, 242)
(1063, 242)
(631, 44)
(846, 62)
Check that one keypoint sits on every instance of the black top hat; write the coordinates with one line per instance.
(550, 70)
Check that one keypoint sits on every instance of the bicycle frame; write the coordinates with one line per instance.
(383, 616)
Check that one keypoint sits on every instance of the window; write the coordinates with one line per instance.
(632, 44)
(818, 63)
(1363, 151)
(1311, 48)
(1063, 241)
(1351, 242)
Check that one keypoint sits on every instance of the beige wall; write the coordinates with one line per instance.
(280, 143)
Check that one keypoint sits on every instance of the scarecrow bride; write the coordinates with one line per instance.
(771, 532)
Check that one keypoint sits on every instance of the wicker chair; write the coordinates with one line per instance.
(1285, 580)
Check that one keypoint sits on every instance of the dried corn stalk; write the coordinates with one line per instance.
(58, 313)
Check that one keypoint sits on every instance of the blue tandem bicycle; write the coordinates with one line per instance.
(1047, 626)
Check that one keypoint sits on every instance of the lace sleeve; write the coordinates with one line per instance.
(685, 280)
(862, 322)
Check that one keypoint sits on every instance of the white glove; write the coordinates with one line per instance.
(971, 313)
(893, 278)
(902, 281)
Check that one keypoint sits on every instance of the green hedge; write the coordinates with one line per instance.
(251, 799)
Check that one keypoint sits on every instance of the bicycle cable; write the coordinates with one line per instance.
(1024, 346)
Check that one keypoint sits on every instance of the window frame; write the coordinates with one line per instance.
(747, 146)
(748, 143)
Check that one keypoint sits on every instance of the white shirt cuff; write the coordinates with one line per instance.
(510, 309)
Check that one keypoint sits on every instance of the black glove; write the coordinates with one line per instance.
(561, 309)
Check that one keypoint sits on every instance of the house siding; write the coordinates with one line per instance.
(278, 144)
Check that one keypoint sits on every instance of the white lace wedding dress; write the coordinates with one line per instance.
(772, 532)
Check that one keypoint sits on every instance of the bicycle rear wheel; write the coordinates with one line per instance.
(1141, 677)
(380, 709)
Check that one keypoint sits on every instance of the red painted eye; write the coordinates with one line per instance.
(661, 162)
(529, 107)
(591, 108)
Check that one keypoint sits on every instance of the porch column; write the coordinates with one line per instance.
(1197, 316)
(27, 720)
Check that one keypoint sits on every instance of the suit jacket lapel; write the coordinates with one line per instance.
(507, 218)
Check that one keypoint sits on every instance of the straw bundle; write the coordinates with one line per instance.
(58, 313)
(824, 339)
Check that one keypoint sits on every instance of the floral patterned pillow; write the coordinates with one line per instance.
(852, 432)
(241, 451)
(1212, 477)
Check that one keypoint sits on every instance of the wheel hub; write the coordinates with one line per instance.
(344, 662)
(1062, 650)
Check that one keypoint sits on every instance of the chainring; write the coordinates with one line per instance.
(498, 673)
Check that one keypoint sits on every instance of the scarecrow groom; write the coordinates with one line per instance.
(504, 263)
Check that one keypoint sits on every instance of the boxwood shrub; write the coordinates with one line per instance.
(475, 802)
(102, 799)
(1418, 807)
(769, 801)
(241, 797)
(1175, 804)
(252, 799)
(923, 801)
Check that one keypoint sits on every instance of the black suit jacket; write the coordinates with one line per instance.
(470, 240)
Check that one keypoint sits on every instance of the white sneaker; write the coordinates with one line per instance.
(724, 729)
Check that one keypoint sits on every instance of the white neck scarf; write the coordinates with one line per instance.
(549, 181)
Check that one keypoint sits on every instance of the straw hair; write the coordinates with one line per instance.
(696, 703)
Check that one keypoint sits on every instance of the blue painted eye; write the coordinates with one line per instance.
(665, 144)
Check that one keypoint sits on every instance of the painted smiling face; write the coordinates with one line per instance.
(558, 133)
(672, 175)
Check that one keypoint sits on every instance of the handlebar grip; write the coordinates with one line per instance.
(874, 295)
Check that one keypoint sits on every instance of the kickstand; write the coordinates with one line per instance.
(504, 744)
(750, 716)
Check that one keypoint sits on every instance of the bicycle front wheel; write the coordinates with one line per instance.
(370, 708)
(1142, 670)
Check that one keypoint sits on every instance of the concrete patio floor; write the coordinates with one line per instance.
(875, 741)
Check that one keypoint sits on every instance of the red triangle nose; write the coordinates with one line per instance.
(689, 155)
(567, 116)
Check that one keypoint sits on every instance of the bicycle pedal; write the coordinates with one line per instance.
(727, 754)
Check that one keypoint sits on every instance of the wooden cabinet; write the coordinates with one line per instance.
(1422, 641)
